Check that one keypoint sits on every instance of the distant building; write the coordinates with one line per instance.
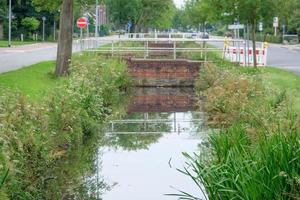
(102, 15)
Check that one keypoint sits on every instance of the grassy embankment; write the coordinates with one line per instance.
(48, 122)
(256, 153)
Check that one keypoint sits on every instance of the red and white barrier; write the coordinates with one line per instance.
(239, 55)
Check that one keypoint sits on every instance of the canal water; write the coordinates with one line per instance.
(143, 150)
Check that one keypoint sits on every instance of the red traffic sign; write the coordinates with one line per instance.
(82, 22)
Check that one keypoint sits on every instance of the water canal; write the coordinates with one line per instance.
(143, 150)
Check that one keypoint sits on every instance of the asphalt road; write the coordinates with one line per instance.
(21, 56)
(15, 58)
(18, 57)
(285, 58)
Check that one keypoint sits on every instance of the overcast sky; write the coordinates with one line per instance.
(179, 3)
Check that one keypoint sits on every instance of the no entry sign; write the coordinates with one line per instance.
(82, 22)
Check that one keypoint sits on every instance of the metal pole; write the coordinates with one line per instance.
(43, 28)
(9, 24)
(174, 50)
(54, 30)
(97, 19)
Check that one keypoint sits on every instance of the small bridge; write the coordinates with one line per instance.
(159, 61)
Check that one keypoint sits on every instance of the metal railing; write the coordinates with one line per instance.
(166, 35)
(115, 46)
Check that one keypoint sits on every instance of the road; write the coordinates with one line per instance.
(15, 58)
(279, 56)
(18, 57)
(21, 56)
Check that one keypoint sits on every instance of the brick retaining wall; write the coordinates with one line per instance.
(163, 73)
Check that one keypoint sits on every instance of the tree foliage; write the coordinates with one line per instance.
(31, 23)
(142, 13)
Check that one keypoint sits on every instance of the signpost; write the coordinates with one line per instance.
(275, 24)
(44, 19)
(236, 26)
(261, 28)
(82, 23)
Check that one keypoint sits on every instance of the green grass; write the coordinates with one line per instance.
(4, 43)
(284, 80)
(34, 81)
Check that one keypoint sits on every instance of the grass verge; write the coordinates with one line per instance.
(34, 81)
(14, 43)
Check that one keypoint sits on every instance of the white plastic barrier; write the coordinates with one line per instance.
(239, 55)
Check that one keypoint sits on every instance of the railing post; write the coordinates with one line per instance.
(205, 52)
(112, 48)
(147, 50)
(174, 46)
(202, 48)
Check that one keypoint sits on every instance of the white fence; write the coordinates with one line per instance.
(167, 35)
(236, 50)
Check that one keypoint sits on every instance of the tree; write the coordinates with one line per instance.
(142, 13)
(3, 15)
(31, 24)
(246, 11)
(65, 38)
(197, 12)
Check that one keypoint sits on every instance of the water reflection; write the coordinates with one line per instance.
(143, 150)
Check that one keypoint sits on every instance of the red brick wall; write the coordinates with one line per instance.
(162, 100)
(163, 72)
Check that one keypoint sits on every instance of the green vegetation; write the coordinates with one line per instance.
(14, 43)
(41, 138)
(34, 81)
(285, 81)
(256, 153)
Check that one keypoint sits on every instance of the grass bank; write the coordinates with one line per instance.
(47, 123)
(256, 153)
(34, 81)
(4, 43)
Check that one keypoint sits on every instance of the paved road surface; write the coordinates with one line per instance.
(21, 56)
(284, 58)
(18, 57)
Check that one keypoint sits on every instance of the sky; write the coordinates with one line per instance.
(178, 3)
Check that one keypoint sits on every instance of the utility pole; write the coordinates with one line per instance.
(9, 24)
(97, 19)
(54, 30)
(44, 19)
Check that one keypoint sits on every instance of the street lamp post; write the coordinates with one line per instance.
(9, 24)
(97, 19)
(44, 19)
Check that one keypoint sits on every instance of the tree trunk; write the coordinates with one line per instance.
(254, 43)
(65, 38)
(1, 31)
